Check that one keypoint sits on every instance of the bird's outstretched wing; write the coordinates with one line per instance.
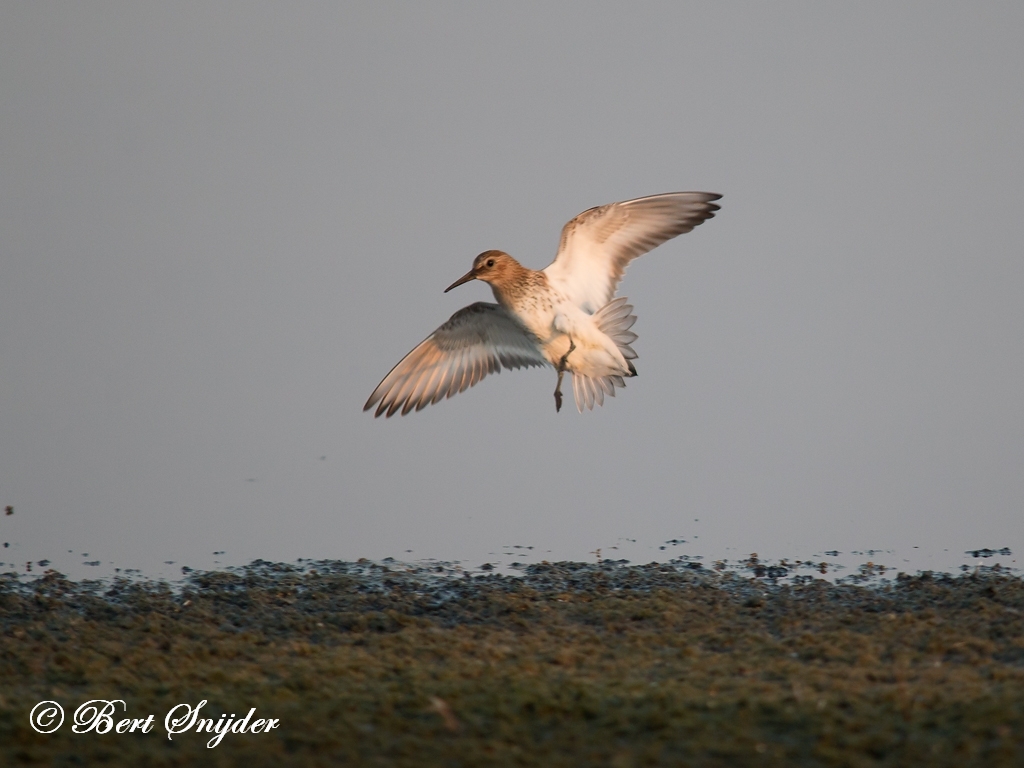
(476, 340)
(598, 245)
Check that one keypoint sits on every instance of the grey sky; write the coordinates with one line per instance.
(222, 224)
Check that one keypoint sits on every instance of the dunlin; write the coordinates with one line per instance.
(564, 315)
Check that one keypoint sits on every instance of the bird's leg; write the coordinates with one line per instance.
(561, 373)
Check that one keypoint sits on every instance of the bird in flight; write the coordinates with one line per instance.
(563, 315)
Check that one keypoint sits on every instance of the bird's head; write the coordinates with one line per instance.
(494, 267)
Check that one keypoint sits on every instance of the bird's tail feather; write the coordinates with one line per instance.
(589, 390)
(613, 319)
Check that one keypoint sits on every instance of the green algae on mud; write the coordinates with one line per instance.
(569, 664)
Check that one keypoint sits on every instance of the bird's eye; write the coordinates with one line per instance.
(490, 262)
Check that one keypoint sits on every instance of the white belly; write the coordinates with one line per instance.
(594, 355)
(554, 320)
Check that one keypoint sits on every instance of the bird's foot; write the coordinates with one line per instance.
(561, 373)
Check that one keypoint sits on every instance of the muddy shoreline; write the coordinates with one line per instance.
(564, 664)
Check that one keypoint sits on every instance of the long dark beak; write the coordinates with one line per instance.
(471, 275)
